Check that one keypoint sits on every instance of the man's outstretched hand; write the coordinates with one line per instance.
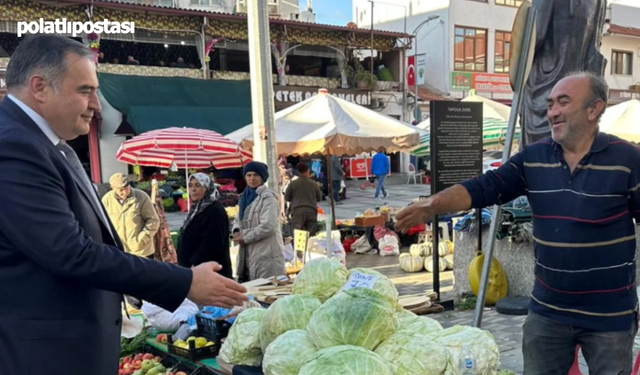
(413, 215)
(212, 289)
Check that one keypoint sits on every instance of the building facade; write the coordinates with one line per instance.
(190, 67)
(464, 44)
(468, 45)
(621, 48)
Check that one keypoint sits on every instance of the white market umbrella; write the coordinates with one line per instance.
(623, 120)
(490, 108)
(324, 124)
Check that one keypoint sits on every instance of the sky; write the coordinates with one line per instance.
(333, 12)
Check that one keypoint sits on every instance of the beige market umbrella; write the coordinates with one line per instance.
(324, 124)
(490, 109)
(623, 120)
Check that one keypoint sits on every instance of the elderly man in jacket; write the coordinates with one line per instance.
(133, 216)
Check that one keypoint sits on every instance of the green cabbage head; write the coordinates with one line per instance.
(359, 316)
(287, 354)
(321, 277)
(408, 321)
(290, 312)
(411, 354)
(242, 346)
(383, 285)
(346, 359)
(482, 345)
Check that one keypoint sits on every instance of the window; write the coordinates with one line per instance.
(510, 3)
(470, 49)
(621, 63)
(503, 52)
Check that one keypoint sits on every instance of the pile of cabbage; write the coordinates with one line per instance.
(323, 328)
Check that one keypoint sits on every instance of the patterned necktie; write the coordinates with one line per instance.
(75, 163)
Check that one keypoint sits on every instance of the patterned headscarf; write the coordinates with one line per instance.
(211, 195)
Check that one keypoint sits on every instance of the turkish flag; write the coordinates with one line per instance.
(411, 71)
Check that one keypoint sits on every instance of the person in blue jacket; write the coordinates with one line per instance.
(380, 167)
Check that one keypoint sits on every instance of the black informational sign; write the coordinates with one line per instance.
(456, 143)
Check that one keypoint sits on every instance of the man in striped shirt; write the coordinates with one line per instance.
(583, 189)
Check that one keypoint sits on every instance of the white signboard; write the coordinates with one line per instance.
(360, 280)
(421, 66)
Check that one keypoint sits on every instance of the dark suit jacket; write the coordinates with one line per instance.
(62, 275)
(206, 239)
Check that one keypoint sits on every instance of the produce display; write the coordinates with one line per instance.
(144, 364)
(338, 358)
(382, 285)
(322, 278)
(412, 353)
(411, 263)
(200, 342)
(359, 316)
(340, 322)
(242, 346)
(287, 354)
(408, 321)
(232, 211)
(285, 314)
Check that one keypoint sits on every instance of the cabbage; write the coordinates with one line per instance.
(383, 285)
(290, 312)
(480, 342)
(357, 316)
(242, 346)
(408, 321)
(411, 354)
(321, 277)
(287, 354)
(346, 359)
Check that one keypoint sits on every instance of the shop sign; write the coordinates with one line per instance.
(481, 82)
(622, 95)
(286, 96)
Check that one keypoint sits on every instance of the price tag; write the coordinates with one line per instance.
(360, 280)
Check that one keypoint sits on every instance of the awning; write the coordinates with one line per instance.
(151, 103)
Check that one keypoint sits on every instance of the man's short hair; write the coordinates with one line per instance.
(303, 167)
(598, 87)
(45, 55)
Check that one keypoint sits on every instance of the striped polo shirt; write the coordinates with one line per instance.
(582, 225)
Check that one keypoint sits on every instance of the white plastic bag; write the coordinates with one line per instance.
(288, 252)
(361, 246)
(388, 246)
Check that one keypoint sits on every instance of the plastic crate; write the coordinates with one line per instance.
(193, 353)
(212, 329)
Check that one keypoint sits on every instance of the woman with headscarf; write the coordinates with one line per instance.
(205, 232)
(257, 227)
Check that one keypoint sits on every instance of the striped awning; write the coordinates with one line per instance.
(494, 132)
(184, 148)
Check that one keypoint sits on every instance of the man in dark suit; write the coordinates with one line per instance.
(62, 268)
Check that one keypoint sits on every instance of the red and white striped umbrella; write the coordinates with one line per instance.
(184, 147)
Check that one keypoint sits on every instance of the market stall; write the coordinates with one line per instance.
(185, 148)
(328, 320)
(622, 120)
(327, 125)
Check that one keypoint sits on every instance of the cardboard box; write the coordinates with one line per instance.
(370, 221)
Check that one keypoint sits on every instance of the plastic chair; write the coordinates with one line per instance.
(413, 174)
(575, 369)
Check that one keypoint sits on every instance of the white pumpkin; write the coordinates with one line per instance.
(449, 259)
(410, 263)
(443, 249)
(428, 264)
(420, 250)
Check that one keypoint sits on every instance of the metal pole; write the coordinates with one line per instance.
(415, 73)
(371, 61)
(513, 117)
(405, 88)
(262, 107)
